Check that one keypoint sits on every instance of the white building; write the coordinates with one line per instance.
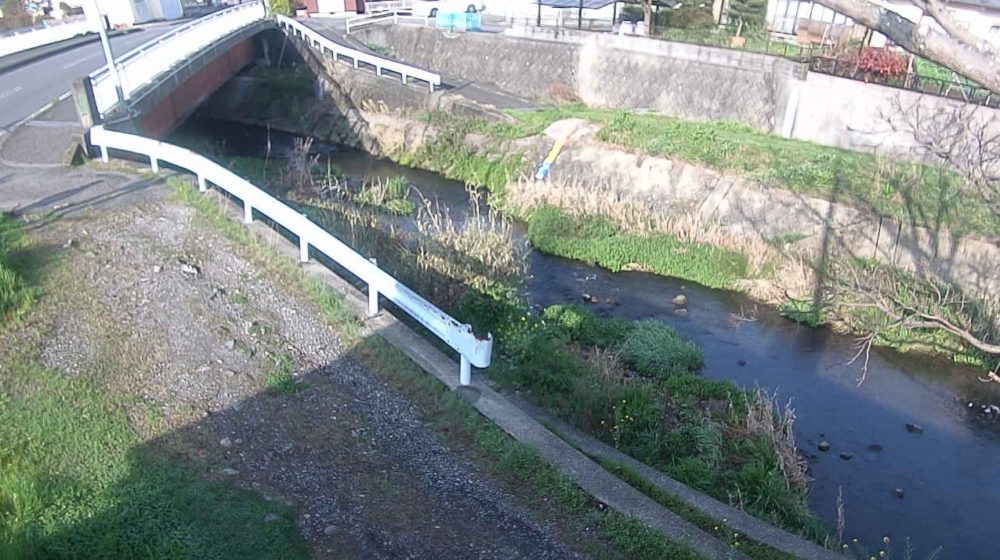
(125, 13)
(813, 22)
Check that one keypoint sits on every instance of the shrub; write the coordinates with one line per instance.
(583, 326)
(881, 62)
(283, 7)
(656, 350)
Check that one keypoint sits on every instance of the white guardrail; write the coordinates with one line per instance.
(142, 65)
(320, 42)
(18, 42)
(472, 349)
(386, 5)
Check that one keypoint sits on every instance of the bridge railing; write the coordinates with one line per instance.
(364, 20)
(460, 337)
(142, 65)
(380, 64)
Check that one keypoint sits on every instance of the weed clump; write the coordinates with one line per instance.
(657, 351)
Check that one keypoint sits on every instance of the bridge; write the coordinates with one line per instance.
(154, 87)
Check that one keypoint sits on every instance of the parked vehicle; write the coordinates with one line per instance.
(432, 7)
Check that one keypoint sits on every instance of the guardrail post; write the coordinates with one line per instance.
(153, 164)
(404, 78)
(104, 153)
(465, 372)
(355, 62)
(247, 213)
(202, 184)
(303, 249)
(378, 71)
(372, 296)
(431, 86)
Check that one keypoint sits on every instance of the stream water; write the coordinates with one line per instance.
(947, 473)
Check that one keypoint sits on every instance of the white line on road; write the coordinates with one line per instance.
(10, 92)
(76, 63)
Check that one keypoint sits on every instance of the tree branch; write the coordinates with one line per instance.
(945, 49)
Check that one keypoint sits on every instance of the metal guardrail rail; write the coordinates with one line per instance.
(380, 64)
(460, 337)
(373, 18)
(142, 65)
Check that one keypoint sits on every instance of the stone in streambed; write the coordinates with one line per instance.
(680, 300)
(823, 446)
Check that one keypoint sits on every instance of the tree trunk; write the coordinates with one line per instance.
(943, 49)
(647, 15)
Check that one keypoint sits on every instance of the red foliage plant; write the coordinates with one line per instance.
(882, 63)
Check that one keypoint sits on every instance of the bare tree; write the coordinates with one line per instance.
(948, 42)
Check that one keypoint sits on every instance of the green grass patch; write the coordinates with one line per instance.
(279, 380)
(913, 193)
(284, 82)
(656, 350)
(75, 482)
(387, 195)
(599, 240)
(15, 295)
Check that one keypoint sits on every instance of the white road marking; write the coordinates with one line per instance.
(10, 92)
(78, 62)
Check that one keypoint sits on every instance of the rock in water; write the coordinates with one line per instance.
(680, 300)
(914, 429)
(898, 492)
(846, 456)
(823, 446)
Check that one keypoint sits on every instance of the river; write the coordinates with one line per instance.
(947, 472)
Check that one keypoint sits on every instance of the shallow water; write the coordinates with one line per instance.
(946, 473)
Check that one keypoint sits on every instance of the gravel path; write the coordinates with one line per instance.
(165, 311)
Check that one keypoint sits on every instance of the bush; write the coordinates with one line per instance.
(584, 327)
(656, 350)
(283, 7)
(882, 63)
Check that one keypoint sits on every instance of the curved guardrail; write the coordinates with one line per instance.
(142, 65)
(472, 349)
(320, 42)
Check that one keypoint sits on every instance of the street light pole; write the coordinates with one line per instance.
(109, 57)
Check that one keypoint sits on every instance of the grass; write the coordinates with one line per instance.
(751, 548)
(15, 294)
(599, 240)
(646, 402)
(920, 194)
(76, 481)
(279, 380)
(388, 195)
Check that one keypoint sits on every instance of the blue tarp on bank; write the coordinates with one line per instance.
(459, 21)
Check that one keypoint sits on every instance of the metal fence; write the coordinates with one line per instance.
(380, 64)
(970, 93)
(472, 349)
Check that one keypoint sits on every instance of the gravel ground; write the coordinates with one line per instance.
(168, 314)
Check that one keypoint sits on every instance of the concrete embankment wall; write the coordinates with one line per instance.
(382, 116)
(692, 82)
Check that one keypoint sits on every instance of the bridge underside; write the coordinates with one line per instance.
(160, 108)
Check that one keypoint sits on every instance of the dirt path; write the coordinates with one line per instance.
(219, 365)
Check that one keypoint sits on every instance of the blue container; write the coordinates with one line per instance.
(459, 21)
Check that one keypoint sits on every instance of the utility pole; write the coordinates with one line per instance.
(579, 17)
(109, 57)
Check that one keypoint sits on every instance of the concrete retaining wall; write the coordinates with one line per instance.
(692, 82)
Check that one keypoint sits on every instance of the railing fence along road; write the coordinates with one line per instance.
(142, 65)
(380, 64)
(460, 337)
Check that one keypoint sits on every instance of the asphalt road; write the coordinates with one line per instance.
(25, 89)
